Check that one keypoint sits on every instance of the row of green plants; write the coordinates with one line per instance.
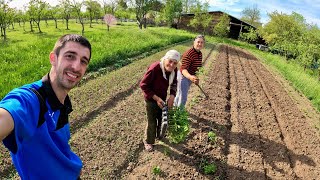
(24, 56)
(205, 166)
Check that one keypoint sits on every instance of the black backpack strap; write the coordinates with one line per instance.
(43, 106)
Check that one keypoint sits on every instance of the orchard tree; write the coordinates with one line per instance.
(66, 11)
(109, 6)
(122, 4)
(36, 9)
(141, 8)
(76, 7)
(187, 5)
(110, 20)
(93, 10)
(6, 15)
(202, 18)
(172, 12)
(20, 17)
(251, 15)
(55, 13)
(222, 28)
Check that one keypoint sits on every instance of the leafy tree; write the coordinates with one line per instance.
(66, 11)
(156, 5)
(6, 15)
(281, 27)
(250, 36)
(76, 7)
(109, 6)
(251, 16)
(172, 11)
(122, 14)
(294, 38)
(284, 32)
(141, 9)
(187, 5)
(308, 48)
(55, 12)
(202, 18)
(36, 11)
(222, 28)
(20, 17)
(93, 10)
(122, 4)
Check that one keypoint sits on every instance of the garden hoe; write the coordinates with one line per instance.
(164, 123)
(205, 94)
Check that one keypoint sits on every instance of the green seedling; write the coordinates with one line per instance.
(156, 170)
(210, 168)
(212, 137)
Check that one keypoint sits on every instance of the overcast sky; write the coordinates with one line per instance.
(310, 9)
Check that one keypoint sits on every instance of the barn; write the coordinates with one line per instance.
(236, 25)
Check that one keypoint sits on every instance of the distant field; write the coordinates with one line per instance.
(24, 57)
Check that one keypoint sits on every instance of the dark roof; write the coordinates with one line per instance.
(233, 19)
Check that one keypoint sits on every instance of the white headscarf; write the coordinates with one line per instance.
(173, 55)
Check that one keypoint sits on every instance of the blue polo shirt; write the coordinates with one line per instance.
(40, 152)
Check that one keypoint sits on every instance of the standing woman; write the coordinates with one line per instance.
(191, 62)
(155, 84)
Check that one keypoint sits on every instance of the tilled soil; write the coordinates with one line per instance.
(261, 131)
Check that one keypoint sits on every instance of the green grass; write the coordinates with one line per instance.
(24, 56)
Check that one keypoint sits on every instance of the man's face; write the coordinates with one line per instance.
(70, 65)
(198, 44)
(170, 65)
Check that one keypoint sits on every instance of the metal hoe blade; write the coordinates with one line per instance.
(205, 94)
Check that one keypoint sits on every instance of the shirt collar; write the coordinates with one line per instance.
(53, 100)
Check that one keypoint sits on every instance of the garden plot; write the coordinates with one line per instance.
(248, 128)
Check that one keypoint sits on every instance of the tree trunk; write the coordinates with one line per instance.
(31, 29)
(4, 34)
(145, 23)
(82, 24)
(24, 25)
(38, 24)
(55, 21)
(67, 22)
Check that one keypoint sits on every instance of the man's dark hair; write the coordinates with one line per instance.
(73, 38)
